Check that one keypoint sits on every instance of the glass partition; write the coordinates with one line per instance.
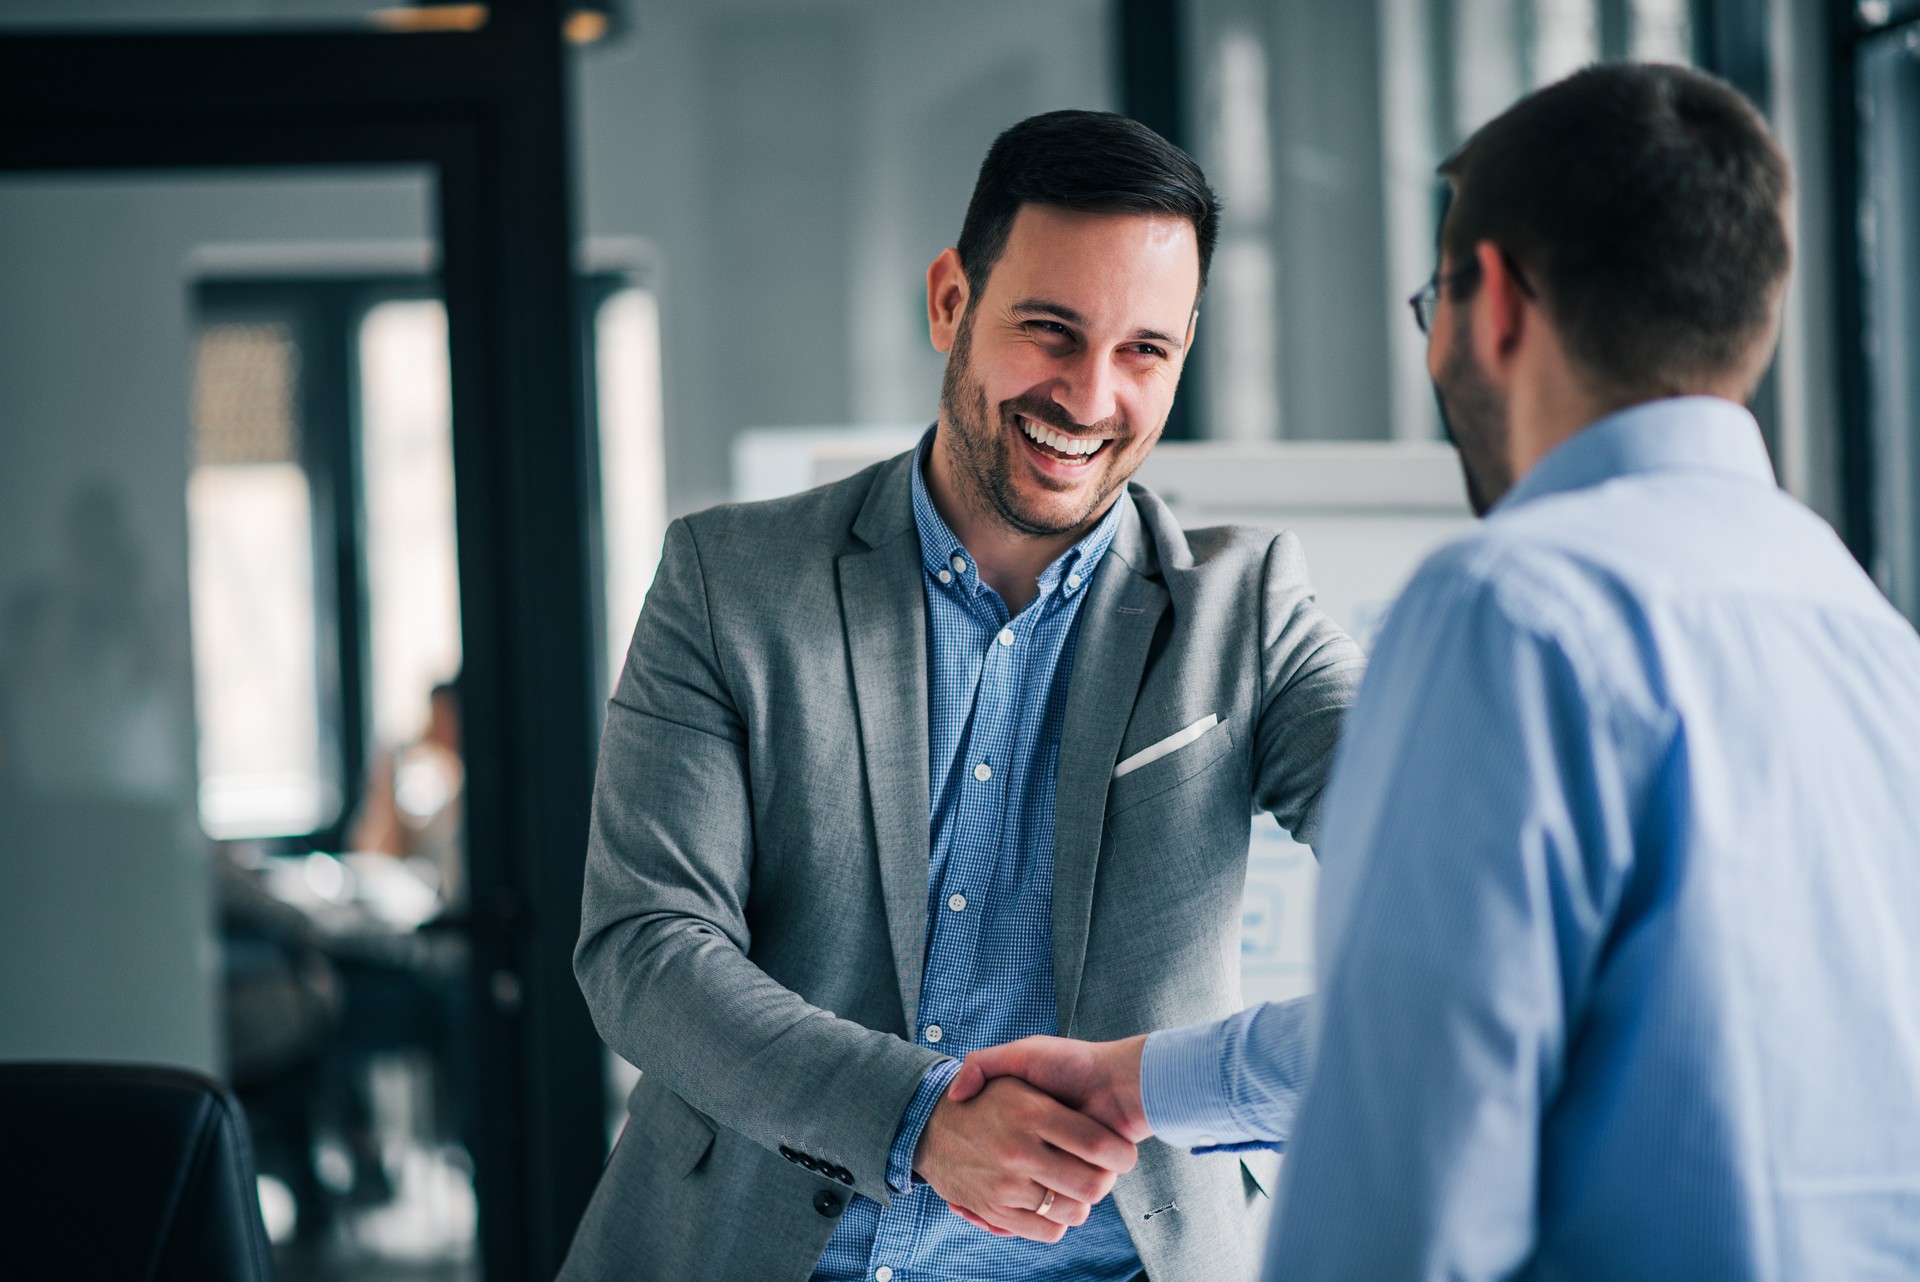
(209, 494)
(1889, 83)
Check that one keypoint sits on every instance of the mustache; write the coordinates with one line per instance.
(1043, 409)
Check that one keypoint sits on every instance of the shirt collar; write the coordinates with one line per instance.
(1681, 434)
(946, 560)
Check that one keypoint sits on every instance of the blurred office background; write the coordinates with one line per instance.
(248, 539)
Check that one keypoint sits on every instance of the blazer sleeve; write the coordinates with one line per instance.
(663, 952)
(1310, 675)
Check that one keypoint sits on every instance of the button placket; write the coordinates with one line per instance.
(981, 712)
(896, 1233)
(957, 932)
(954, 935)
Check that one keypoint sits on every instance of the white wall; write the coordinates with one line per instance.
(796, 164)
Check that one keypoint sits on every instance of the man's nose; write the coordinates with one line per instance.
(1088, 391)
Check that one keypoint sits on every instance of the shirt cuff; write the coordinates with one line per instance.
(1232, 1085)
(914, 1121)
(1180, 1087)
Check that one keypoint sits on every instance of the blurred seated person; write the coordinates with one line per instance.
(413, 807)
(283, 1000)
(282, 993)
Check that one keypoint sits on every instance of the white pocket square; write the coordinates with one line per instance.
(1172, 743)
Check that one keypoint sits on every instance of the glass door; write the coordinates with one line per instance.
(231, 777)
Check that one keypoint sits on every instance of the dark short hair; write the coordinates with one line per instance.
(1646, 204)
(1094, 162)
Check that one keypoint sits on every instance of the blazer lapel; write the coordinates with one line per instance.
(1117, 623)
(884, 611)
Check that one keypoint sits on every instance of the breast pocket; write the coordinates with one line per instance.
(1148, 781)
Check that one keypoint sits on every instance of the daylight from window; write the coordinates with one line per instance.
(250, 568)
(406, 443)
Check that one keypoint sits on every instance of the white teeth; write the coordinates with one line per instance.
(1058, 441)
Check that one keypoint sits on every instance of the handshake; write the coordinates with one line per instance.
(1031, 1135)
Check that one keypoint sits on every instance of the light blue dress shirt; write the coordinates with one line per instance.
(1619, 931)
(997, 700)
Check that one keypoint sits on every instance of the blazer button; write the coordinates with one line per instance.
(789, 1154)
(828, 1203)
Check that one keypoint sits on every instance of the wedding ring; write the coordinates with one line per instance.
(1046, 1204)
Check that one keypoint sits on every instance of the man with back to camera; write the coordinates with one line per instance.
(961, 749)
(1620, 916)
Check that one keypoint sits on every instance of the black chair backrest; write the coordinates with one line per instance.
(114, 1172)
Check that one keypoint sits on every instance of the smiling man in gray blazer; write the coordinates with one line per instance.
(961, 749)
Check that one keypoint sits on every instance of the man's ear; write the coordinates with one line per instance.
(947, 299)
(1504, 311)
(1186, 347)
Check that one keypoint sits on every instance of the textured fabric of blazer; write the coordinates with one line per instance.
(755, 916)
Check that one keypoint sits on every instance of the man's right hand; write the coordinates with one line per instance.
(997, 1154)
(1101, 1079)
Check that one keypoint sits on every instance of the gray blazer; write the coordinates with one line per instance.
(755, 916)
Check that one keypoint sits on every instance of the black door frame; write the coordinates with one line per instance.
(1150, 71)
(486, 114)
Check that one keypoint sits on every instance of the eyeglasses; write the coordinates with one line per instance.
(1426, 300)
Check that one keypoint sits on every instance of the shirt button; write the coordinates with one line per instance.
(983, 772)
(1205, 1141)
(946, 576)
(883, 1274)
(1073, 580)
(957, 902)
(959, 565)
(934, 1034)
(1006, 636)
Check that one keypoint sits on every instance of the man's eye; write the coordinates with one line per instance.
(1148, 349)
(1052, 329)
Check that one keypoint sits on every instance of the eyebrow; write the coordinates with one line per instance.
(1042, 307)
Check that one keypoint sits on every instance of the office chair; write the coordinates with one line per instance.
(114, 1172)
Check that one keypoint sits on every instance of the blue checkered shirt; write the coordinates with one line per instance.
(996, 700)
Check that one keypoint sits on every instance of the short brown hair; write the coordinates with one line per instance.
(1092, 161)
(1647, 205)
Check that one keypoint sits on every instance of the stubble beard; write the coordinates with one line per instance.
(982, 447)
(1475, 416)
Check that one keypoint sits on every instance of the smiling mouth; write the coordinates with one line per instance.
(1058, 445)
